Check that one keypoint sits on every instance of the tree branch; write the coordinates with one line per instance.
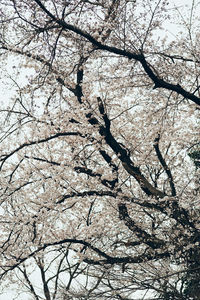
(4, 157)
(159, 83)
(148, 239)
(164, 165)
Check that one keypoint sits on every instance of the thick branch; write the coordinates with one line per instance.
(84, 170)
(164, 165)
(148, 239)
(107, 258)
(128, 259)
(87, 193)
(159, 83)
(124, 156)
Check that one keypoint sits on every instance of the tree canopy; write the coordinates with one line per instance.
(99, 149)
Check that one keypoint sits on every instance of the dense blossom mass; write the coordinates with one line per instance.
(99, 149)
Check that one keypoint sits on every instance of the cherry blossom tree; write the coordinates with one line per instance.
(99, 189)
